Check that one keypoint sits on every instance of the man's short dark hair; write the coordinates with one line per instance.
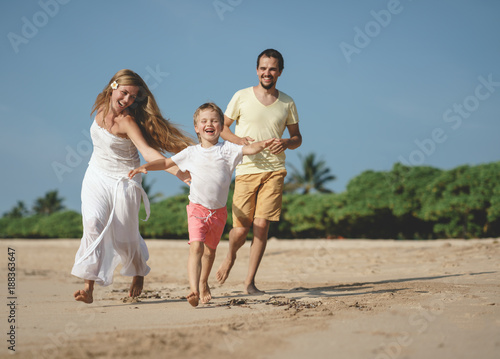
(272, 53)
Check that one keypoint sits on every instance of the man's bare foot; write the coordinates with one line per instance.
(136, 286)
(252, 289)
(193, 298)
(224, 269)
(205, 294)
(83, 296)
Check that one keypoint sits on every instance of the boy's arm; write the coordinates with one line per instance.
(256, 147)
(183, 176)
(158, 165)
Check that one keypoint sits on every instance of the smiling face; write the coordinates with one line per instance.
(123, 97)
(268, 72)
(208, 127)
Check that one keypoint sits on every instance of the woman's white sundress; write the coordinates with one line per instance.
(110, 212)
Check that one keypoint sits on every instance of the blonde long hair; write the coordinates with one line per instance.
(158, 132)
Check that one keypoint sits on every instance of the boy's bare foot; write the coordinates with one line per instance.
(136, 286)
(193, 299)
(83, 296)
(224, 269)
(252, 289)
(205, 294)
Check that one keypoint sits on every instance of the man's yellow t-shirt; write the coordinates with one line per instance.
(261, 122)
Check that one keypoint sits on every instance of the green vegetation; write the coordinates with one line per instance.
(49, 204)
(62, 224)
(404, 203)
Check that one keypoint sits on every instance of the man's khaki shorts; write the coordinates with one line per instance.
(258, 196)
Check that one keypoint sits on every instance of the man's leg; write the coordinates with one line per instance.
(259, 242)
(237, 238)
(267, 209)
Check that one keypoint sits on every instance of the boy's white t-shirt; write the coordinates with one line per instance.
(211, 171)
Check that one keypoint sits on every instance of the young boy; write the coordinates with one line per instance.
(211, 164)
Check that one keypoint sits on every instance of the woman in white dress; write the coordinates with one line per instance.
(127, 120)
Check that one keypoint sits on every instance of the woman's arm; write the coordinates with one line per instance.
(128, 126)
(158, 165)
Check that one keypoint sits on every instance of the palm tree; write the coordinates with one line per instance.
(49, 204)
(18, 211)
(313, 176)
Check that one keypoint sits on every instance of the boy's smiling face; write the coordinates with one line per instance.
(208, 127)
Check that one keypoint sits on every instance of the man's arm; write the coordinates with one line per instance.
(228, 135)
(295, 140)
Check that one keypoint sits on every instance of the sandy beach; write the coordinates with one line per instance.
(324, 299)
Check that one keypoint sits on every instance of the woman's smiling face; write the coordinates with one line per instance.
(123, 97)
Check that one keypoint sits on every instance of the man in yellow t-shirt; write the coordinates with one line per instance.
(260, 112)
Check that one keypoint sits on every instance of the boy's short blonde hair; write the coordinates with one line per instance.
(208, 106)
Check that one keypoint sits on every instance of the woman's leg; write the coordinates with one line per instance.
(85, 295)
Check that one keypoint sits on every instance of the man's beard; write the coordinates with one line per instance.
(267, 87)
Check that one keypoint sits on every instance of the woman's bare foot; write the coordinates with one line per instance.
(136, 286)
(224, 269)
(83, 296)
(205, 294)
(193, 298)
(252, 289)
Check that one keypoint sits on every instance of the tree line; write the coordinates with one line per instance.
(404, 203)
(418, 202)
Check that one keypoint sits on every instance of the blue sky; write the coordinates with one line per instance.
(375, 82)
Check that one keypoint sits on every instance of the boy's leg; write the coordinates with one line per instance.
(237, 238)
(194, 271)
(245, 195)
(207, 262)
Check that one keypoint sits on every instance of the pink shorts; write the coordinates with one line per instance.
(205, 225)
